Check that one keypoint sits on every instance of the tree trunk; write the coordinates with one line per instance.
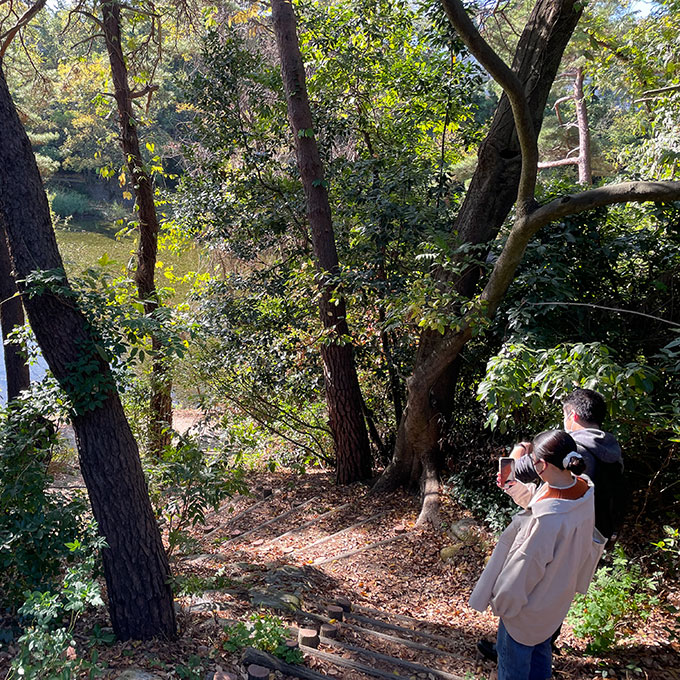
(11, 315)
(585, 175)
(135, 564)
(584, 159)
(161, 382)
(488, 201)
(343, 394)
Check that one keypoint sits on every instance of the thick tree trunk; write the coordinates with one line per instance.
(488, 201)
(343, 394)
(135, 564)
(161, 381)
(11, 316)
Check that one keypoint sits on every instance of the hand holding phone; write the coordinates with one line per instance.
(506, 471)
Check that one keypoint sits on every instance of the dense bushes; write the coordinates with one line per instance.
(35, 522)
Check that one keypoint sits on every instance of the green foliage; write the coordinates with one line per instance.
(264, 632)
(186, 481)
(47, 650)
(618, 592)
(387, 122)
(473, 489)
(35, 523)
(69, 203)
(193, 584)
(669, 547)
(192, 670)
(522, 383)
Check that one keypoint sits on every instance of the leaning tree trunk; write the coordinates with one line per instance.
(11, 316)
(161, 382)
(135, 565)
(343, 394)
(488, 201)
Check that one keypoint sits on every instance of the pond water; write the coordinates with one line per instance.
(37, 373)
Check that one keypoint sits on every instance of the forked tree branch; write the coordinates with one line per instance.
(521, 233)
(514, 91)
(7, 37)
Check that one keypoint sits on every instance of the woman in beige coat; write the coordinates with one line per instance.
(546, 555)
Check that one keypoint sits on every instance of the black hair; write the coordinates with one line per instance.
(588, 405)
(553, 446)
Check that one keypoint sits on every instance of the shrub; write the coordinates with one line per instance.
(617, 592)
(186, 482)
(669, 547)
(47, 650)
(35, 524)
(264, 632)
(68, 203)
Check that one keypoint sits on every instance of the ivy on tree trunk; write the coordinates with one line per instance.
(135, 564)
(161, 382)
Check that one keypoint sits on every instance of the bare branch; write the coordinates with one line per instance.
(556, 164)
(7, 37)
(608, 309)
(148, 89)
(514, 91)
(662, 90)
(138, 10)
(90, 16)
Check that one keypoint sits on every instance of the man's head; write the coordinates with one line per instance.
(583, 408)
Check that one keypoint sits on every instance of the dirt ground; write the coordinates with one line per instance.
(276, 540)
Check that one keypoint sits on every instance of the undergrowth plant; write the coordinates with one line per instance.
(35, 523)
(264, 632)
(186, 482)
(47, 650)
(618, 592)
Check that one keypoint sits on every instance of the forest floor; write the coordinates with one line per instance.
(281, 541)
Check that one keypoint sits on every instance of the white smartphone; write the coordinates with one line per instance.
(506, 470)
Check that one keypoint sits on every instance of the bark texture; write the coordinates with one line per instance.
(161, 382)
(11, 315)
(135, 564)
(488, 201)
(343, 395)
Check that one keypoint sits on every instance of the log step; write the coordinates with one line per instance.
(392, 638)
(325, 539)
(243, 512)
(270, 521)
(371, 546)
(385, 658)
(302, 527)
(401, 629)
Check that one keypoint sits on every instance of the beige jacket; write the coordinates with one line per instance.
(547, 554)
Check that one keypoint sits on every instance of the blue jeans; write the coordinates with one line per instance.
(522, 662)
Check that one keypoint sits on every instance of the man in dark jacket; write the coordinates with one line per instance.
(584, 412)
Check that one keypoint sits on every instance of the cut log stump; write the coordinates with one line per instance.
(344, 603)
(256, 672)
(308, 637)
(336, 612)
(328, 630)
(251, 655)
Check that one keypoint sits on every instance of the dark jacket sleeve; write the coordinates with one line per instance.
(524, 470)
